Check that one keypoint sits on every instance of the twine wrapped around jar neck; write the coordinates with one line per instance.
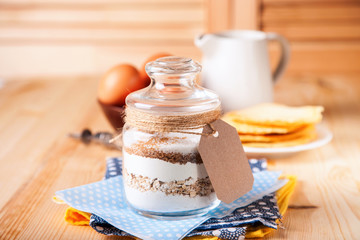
(171, 123)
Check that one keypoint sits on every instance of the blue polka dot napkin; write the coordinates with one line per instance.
(111, 215)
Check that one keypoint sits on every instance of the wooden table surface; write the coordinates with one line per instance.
(37, 158)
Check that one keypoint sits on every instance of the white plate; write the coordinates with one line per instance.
(324, 136)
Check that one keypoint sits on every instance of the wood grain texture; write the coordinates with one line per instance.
(98, 14)
(246, 14)
(218, 15)
(37, 158)
(54, 59)
(86, 37)
(330, 12)
(313, 22)
(329, 176)
(320, 57)
(316, 31)
(324, 34)
(52, 38)
(116, 35)
(282, 2)
(27, 174)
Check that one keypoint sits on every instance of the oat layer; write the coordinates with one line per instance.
(187, 187)
(170, 157)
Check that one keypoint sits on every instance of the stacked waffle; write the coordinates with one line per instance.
(275, 125)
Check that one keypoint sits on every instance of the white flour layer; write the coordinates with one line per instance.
(162, 170)
(160, 202)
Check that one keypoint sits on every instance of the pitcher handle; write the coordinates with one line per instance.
(201, 39)
(285, 54)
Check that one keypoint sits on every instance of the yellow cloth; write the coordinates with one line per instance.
(79, 218)
(76, 217)
(283, 197)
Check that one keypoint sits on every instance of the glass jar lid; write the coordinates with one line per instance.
(173, 89)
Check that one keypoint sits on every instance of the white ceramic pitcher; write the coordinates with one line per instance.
(236, 66)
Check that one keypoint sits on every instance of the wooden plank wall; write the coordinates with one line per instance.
(66, 37)
(233, 14)
(85, 37)
(324, 34)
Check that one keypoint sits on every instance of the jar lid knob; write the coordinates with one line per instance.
(172, 65)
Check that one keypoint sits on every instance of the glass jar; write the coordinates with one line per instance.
(163, 173)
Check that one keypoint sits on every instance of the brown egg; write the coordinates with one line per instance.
(142, 71)
(117, 83)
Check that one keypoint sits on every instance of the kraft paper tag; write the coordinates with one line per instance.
(225, 162)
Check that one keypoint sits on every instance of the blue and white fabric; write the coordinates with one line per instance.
(111, 215)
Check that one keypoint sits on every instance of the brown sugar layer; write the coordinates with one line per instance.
(187, 187)
(151, 148)
(171, 157)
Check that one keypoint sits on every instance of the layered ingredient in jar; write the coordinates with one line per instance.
(163, 172)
